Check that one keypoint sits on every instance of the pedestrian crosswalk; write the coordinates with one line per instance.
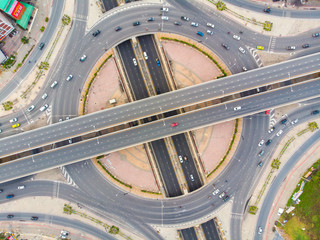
(272, 44)
(67, 177)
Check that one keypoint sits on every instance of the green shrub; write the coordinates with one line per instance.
(114, 230)
(25, 40)
(7, 105)
(42, 28)
(47, 19)
(253, 210)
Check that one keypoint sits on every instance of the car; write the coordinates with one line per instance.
(194, 24)
(13, 120)
(44, 107)
(134, 61)
(16, 125)
(271, 130)
(10, 196)
(44, 96)
(83, 58)
(158, 91)
(237, 108)
(316, 35)
(60, 120)
(236, 37)
(185, 18)
(150, 19)
(294, 121)
(178, 23)
(279, 133)
(70, 141)
(267, 10)
(55, 83)
(222, 195)
(165, 18)
(34, 218)
(209, 32)
(200, 34)
(260, 47)
(260, 164)
(284, 121)
(261, 153)
(137, 23)
(0, 130)
(185, 158)
(315, 112)
(180, 158)
(1, 190)
(31, 108)
(244, 69)
(96, 33)
(41, 46)
(210, 25)
(216, 192)
(69, 77)
(67, 118)
(268, 142)
(117, 29)
(158, 62)
(291, 48)
(163, 9)
(267, 112)
(260, 230)
(10, 216)
(225, 46)
(226, 198)
(261, 143)
(64, 234)
(21, 187)
(191, 177)
(145, 55)
(174, 124)
(306, 45)
(242, 50)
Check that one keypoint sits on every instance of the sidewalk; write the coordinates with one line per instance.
(249, 222)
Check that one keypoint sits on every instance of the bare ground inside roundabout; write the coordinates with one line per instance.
(131, 165)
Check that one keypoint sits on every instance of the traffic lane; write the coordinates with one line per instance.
(166, 168)
(156, 130)
(159, 80)
(276, 184)
(133, 71)
(210, 231)
(188, 167)
(188, 234)
(193, 94)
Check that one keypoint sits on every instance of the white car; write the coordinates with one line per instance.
(165, 18)
(279, 133)
(13, 120)
(134, 61)
(180, 158)
(261, 143)
(210, 25)
(163, 9)
(237, 108)
(271, 130)
(44, 96)
(216, 192)
(191, 177)
(44, 107)
(69, 77)
(209, 32)
(83, 58)
(294, 121)
(242, 50)
(54, 84)
(222, 195)
(145, 55)
(31, 108)
(236, 37)
(260, 230)
(21, 187)
(194, 24)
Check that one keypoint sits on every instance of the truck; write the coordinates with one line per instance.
(280, 211)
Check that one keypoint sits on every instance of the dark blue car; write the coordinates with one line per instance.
(10, 196)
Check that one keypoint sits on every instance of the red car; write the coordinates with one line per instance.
(174, 124)
(268, 112)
